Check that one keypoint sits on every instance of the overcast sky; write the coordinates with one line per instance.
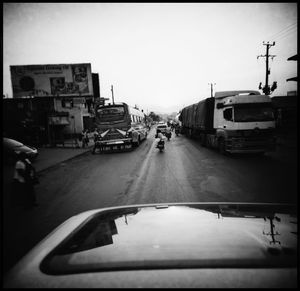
(159, 56)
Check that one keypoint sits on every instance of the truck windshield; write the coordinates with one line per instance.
(111, 113)
(256, 113)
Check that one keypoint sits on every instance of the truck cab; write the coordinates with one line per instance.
(244, 121)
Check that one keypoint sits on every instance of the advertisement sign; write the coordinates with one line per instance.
(52, 80)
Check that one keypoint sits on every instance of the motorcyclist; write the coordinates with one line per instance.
(168, 133)
(160, 136)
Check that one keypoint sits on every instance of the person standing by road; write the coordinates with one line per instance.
(23, 182)
(85, 138)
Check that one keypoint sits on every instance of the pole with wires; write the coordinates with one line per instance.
(266, 89)
(112, 94)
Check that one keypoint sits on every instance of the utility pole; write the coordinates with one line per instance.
(211, 88)
(99, 88)
(112, 94)
(266, 89)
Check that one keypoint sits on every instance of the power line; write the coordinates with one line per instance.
(285, 33)
(283, 30)
(288, 33)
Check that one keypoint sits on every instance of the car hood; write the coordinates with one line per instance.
(214, 235)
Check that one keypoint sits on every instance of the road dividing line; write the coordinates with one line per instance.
(137, 183)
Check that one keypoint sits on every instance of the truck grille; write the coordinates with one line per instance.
(251, 143)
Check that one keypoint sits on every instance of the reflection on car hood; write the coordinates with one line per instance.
(179, 236)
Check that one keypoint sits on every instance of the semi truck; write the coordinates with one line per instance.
(232, 121)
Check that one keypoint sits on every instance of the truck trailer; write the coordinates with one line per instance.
(232, 121)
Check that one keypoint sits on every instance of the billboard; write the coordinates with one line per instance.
(52, 80)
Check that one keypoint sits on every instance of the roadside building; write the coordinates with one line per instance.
(51, 103)
(293, 58)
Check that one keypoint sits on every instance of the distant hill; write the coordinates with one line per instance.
(164, 110)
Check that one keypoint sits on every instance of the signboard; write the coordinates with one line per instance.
(52, 80)
(58, 120)
(79, 101)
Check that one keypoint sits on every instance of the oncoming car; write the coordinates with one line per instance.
(162, 127)
(167, 245)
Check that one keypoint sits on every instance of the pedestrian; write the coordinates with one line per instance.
(23, 183)
(85, 138)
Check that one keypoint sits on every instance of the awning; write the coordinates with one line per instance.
(293, 58)
(292, 79)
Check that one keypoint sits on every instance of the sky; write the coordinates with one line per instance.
(158, 56)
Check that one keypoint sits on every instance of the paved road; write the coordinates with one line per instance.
(185, 172)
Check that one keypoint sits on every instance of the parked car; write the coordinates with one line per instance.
(11, 149)
(216, 245)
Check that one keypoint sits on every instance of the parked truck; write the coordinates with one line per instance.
(232, 121)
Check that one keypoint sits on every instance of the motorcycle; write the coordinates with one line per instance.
(161, 145)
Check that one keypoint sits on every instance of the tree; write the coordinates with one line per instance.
(154, 116)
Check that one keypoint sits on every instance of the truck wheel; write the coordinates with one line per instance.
(221, 146)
